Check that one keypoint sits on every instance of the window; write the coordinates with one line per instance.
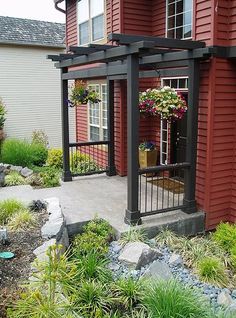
(179, 19)
(180, 84)
(98, 114)
(90, 21)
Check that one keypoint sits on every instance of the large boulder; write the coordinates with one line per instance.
(138, 254)
(158, 270)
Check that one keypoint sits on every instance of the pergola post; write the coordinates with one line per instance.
(110, 125)
(132, 215)
(192, 133)
(66, 174)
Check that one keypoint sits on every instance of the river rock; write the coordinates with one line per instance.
(138, 254)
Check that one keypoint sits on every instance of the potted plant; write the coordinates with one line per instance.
(81, 95)
(164, 102)
(147, 154)
(2, 118)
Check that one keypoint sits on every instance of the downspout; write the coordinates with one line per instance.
(58, 8)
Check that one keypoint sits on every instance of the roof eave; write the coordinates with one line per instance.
(33, 44)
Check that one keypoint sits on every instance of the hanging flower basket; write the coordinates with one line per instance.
(163, 102)
(81, 95)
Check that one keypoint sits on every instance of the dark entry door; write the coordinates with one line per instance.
(179, 138)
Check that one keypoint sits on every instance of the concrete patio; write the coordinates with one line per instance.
(104, 196)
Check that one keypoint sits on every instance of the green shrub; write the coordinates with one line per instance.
(91, 266)
(55, 158)
(128, 293)
(40, 154)
(50, 178)
(22, 220)
(17, 152)
(14, 179)
(233, 257)
(170, 299)
(90, 242)
(225, 236)
(92, 299)
(211, 270)
(8, 208)
(100, 227)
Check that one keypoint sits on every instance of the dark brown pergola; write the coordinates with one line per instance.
(135, 57)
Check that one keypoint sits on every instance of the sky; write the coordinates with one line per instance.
(43, 10)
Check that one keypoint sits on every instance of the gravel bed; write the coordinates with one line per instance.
(180, 272)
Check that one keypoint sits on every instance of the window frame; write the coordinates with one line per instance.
(90, 22)
(166, 28)
(101, 125)
(167, 141)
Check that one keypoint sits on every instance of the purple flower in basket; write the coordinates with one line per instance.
(147, 146)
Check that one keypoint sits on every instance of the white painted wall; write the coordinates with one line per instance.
(30, 89)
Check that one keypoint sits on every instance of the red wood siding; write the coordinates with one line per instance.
(71, 23)
(159, 18)
(214, 23)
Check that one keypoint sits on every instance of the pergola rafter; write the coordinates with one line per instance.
(135, 57)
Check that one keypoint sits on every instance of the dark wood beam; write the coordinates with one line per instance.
(159, 41)
(114, 53)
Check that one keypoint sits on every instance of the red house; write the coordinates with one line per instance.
(210, 21)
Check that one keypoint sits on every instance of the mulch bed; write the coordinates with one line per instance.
(16, 271)
(172, 185)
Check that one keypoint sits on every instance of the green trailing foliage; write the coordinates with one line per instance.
(211, 270)
(170, 299)
(14, 179)
(8, 208)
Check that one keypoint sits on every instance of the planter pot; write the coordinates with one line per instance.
(148, 159)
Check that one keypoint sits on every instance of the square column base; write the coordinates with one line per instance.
(66, 176)
(111, 171)
(132, 218)
(190, 206)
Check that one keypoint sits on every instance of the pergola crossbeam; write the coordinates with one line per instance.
(159, 42)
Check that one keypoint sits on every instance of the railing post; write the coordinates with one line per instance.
(66, 174)
(132, 215)
(110, 125)
(192, 134)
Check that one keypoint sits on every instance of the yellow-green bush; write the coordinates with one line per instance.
(55, 158)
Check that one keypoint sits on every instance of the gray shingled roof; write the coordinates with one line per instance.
(25, 31)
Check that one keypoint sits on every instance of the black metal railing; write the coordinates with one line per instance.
(87, 158)
(161, 188)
